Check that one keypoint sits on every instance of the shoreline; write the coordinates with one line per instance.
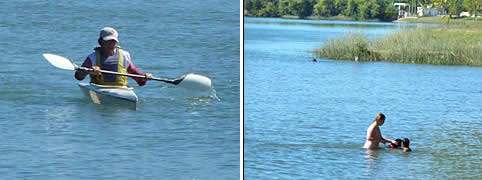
(332, 18)
(414, 20)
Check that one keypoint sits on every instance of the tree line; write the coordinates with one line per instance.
(356, 9)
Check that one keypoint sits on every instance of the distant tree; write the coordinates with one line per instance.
(472, 6)
(302, 8)
(351, 8)
(325, 8)
(460, 8)
(452, 6)
(254, 6)
(247, 5)
(374, 8)
(364, 10)
(317, 9)
(270, 10)
(284, 7)
(257, 4)
(388, 11)
(340, 6)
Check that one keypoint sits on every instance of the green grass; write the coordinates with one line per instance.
(443, 46)
(438, 20)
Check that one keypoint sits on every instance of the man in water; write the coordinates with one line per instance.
(374, 136)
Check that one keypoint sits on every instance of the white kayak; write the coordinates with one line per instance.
(194, 85)
(104, 94)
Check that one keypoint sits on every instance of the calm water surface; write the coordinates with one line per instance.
(50, 131)
(306, 120)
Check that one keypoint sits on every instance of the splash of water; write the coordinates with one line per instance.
(212, 94)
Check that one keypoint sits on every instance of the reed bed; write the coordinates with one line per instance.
(417, 45)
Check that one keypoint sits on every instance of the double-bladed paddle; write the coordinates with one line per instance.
(191, 81)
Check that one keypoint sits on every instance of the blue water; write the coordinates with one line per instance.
(306, 120)
(51, 131)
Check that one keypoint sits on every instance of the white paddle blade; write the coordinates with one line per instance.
(59, 61)
(196, 82)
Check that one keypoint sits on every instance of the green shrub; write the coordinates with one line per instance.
(419, 45)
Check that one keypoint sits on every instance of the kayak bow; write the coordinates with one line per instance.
(102, 94)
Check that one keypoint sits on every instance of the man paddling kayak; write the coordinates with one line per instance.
(110, 57)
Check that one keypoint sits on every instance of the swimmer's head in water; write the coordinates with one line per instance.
(405, 142)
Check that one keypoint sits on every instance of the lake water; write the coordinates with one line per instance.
(51, 131)
(306, 120)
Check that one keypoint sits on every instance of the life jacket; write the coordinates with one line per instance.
(110, 79)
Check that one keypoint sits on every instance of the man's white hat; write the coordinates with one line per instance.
(109, 33)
